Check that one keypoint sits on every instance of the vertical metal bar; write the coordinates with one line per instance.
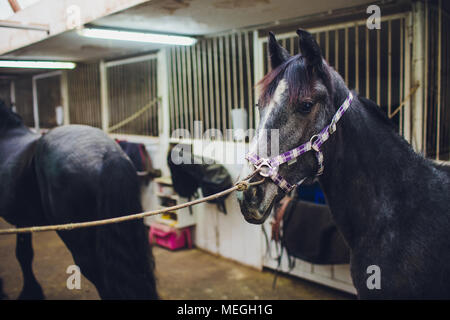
(389, 93)
(378, 68)
(155, 108)
(210, 107)
(174, 67)
(407, 106)
(291, 45)
(222, 85)
(327, 45)
(205, 85)
(425, 106)
(171, 92)
(235, 84)
(249, 78)
(402, 53)
(216, 84)
(439, 70)
(64, 97)
(241, 72)
(35, 104)
(228, 72)
(189, 88)
(195, 67)
(180, 88)
(200, 81)
(346, 55)
(367, 65)
(185, 94)
(356, 57)
(336, 49)
(104, 95)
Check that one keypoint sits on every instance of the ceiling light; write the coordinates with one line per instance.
(36, 64)
(137, 36)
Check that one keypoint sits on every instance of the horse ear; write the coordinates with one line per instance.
(277, 53)
(309, 47)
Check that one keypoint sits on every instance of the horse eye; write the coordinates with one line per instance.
(306, 106)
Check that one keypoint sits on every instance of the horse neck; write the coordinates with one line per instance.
(367, 165)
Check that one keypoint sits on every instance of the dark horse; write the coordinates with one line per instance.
(391, 205)
(75, 173)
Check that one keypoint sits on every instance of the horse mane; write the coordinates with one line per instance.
(376, 111)
(8, 118)
(296, 74)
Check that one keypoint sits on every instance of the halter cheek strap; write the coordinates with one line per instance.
(269, 166)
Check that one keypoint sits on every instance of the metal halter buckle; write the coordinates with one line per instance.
(312, 140)
(264, 163)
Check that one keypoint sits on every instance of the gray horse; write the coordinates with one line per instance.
(391, 205)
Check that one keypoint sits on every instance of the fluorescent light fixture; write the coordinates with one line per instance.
(137, 36)
(36, 64)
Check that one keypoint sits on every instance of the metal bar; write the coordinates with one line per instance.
(104, 95)
(65, 98)
(402, 53)
(174, 66)
(209, 107)
(222, 84)
(332, 27)
(35, 104)
(327, 46)
(389, 93)
(23, 26)
(228, 72)
(200, 81)
(185, 94)
(180, 89)
(241, 72)
(216, 84)
(131, 60)
(356, 58)
(249, 79)
(171, 92)
(407, 106)
(194, 75)
(425, 104)
(235, 84)
(189, 87)
(291, 42)
(205, 85)
(346, 55)
(367, 65)
(439, 70)
(378, 68)
(336, 50)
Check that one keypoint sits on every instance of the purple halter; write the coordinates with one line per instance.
(314, 144)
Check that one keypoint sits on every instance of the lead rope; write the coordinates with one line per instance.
(239, 186)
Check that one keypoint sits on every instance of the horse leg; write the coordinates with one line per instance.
(24, 253)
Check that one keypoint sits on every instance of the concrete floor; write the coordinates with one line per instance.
(185, 274)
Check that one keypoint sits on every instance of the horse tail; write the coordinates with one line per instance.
(123, 252)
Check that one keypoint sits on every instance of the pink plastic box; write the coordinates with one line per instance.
(169, 237)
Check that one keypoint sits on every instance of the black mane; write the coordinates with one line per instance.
(8, 118)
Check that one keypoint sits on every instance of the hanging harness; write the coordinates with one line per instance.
(268, 167)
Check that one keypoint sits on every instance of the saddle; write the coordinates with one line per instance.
(306, 230)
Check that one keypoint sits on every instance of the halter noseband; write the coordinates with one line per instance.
(269, 166)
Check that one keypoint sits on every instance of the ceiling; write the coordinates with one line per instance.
(189, 17)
